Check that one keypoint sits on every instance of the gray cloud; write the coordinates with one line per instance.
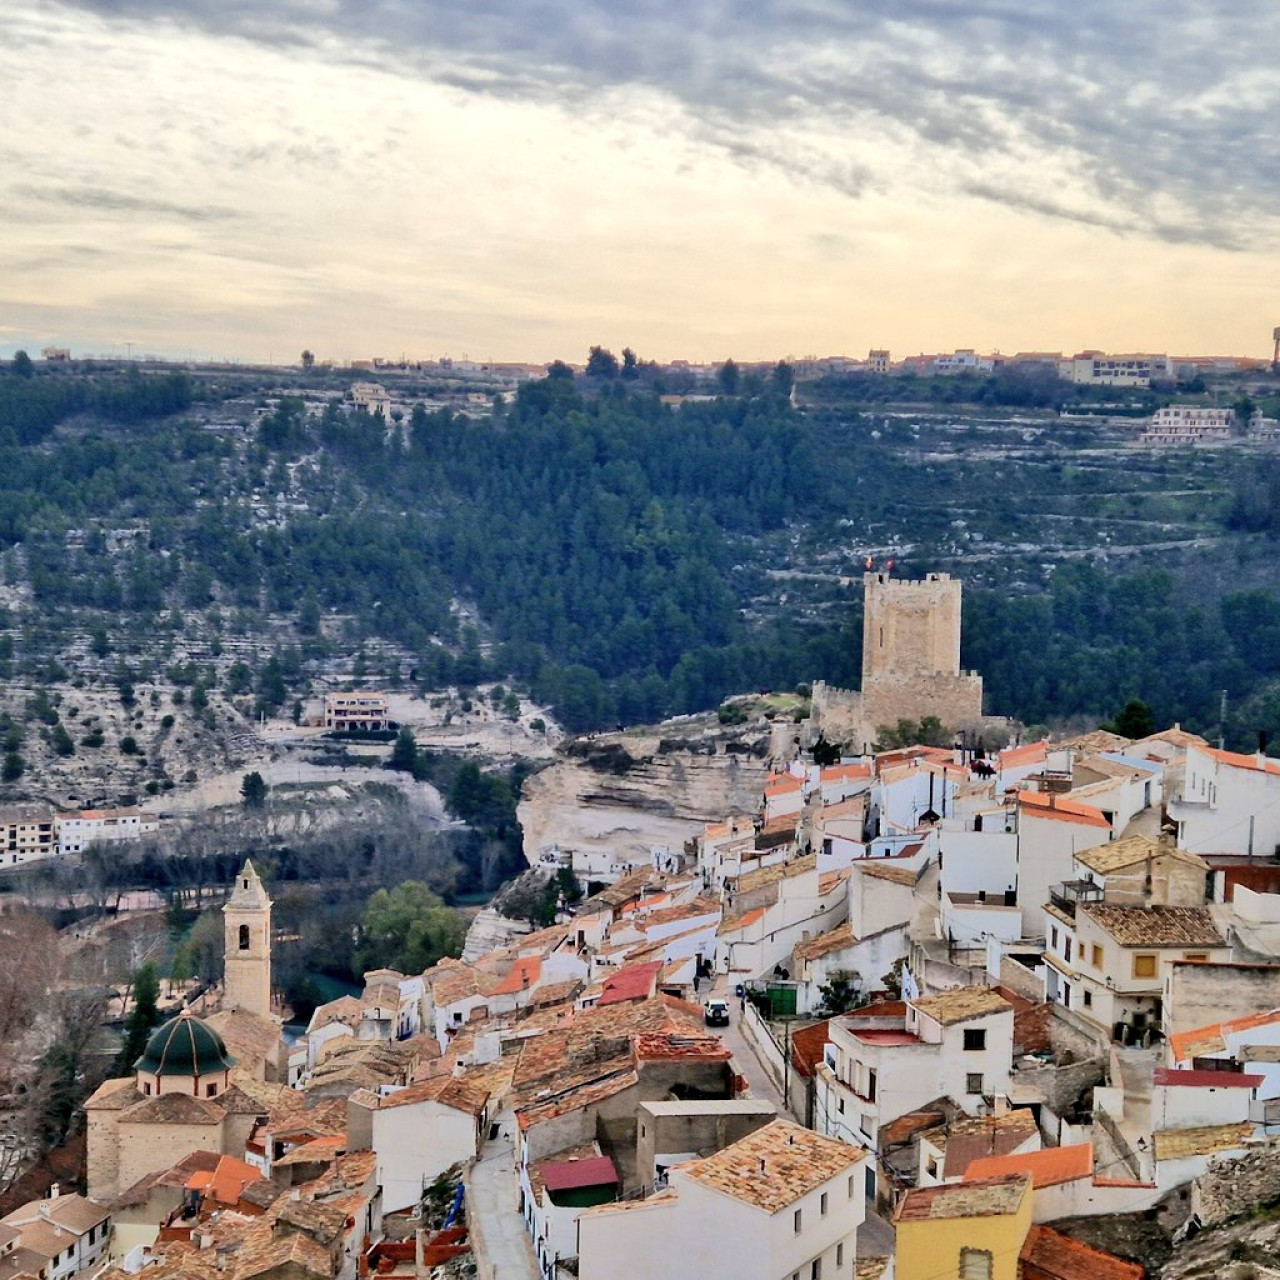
(102, 200)
(1157, 115)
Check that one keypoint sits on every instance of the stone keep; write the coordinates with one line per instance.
(910, 629)
(247, 931)
(910, 664)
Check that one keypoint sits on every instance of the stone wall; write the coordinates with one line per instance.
(1059, 1088)
(956, 700)
(1201, 994)
(1233, 1187)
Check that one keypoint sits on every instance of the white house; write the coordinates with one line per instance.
(885, 1060)
(1229, 803)
(420, 1131)
(58, 1236)
(781, 1202)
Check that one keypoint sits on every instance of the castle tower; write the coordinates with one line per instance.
(910, 629)
(247, 930)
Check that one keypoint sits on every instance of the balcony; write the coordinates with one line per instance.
(1072, 893)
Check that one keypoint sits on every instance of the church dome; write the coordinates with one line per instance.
(185, 1046)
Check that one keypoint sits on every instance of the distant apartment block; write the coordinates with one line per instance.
(878, 361)
(27, 832)
(1188, 424)
(1099, 369)
(346, 711)
(56, 353)
(76, 831)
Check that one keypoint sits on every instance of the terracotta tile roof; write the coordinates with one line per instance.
(1029, 753)
(838, 939)
(781, 784)
(174, 1108)
(828, 881)
(995, 1197)
(1171, 1077)
(1038, 804)
(462, 982)
(971, 1138)
(113, 1095)
(654, 1046)
(176, 1176)
(457, 1092)
(1047, 1167)
(1095, 742)
(753, 880)
(1155, 926)
(634, 982)
(524, 974)
(72, 1212)
(297, 1249)
(1175, 1144)
(323, 1222)
(774, 1166)
(1238, 761)
(553, 993)
(841, 772)
(962, 1004)
(1131, 850)
(870, 1268)
(226, 1182)
(877, 869)
(1049, 1255)
(317, 1151)
(576, 1095)
(743, 920)
(1203, 1041)
(683, 911)
(905, 1127)
(808, 1045)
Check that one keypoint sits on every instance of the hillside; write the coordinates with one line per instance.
(184, 556)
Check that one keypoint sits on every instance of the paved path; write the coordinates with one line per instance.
(498, 1236)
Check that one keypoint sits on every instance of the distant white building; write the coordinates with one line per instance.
(346, 711)
(1188, 424)
(76, 831)
(372, 397)
(1100, 369)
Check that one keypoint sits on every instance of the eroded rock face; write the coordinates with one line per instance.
(626, 792)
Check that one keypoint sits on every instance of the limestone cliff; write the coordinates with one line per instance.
(624, 793)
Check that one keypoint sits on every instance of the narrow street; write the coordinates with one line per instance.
(498, 1238)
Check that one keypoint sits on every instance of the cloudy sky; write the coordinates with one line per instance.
(517, 179)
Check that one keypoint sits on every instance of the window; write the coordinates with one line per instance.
(1088, 998)
(1196, 955)
(1066, 949)
(871, 1086)
(815, 1269)
(840, 1105)
(1096, 954)
(975, 1264)
(1144, 966)
(931, 1167)
(244, 937)
(851, 1186)
(840, 1254)
(975, 1039)
(973, 1082)
(822, 1204)
(1053, 937)
(796, 1221)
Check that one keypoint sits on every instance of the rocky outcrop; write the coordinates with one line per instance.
(626, 793)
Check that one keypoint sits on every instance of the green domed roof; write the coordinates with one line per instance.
(185, 1046)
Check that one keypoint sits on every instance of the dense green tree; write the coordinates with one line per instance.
(142, 1018)
(601, 363)
(253, 790)
(22, 365)
(728, 378)
(1135, 720)
(408, 928)
(404, 751)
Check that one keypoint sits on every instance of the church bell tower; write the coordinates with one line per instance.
(247, 930)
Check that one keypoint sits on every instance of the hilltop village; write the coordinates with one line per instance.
(926, 1012)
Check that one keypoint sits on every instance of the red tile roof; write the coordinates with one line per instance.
(524, 973)
(1213, 1037)
(226, 1182)
(565, 1175)
(1238, 761)
(1207, 1079)
(635, 982)
(1047, 1168)
(1060, 809)
(1049, 1255)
